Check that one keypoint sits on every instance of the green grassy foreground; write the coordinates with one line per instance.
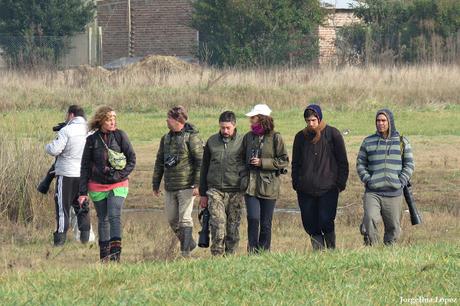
(380, 275)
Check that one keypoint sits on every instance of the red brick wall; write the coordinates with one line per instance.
(158, 27)
(112, 16)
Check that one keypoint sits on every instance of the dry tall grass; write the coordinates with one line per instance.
(22, 165)
(143, 89)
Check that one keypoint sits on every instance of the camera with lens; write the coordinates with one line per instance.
(44, 185)
(171, 161)
(59, 126)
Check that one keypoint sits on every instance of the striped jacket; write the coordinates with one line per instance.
(380, 165)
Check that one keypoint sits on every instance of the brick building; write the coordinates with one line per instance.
(340, 13)
(142, 27)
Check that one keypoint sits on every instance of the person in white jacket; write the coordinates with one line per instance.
(68, 150)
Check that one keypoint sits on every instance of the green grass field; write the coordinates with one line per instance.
(425, 263)
(363, 276)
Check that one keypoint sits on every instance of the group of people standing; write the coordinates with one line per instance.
(232, 168)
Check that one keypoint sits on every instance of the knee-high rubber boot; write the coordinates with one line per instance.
(317, 242)
(115, 249)
(187, 243)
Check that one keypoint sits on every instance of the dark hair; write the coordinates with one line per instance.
(267, 123)
(227, 116)
(309, 112)
(76, 110)
(178, 113)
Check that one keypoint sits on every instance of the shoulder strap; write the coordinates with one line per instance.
(103, 142)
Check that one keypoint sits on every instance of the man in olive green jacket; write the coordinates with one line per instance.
(179, 161)
(220, 189)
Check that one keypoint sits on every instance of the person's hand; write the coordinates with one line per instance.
(257, 162)
(203, 202)
(82, 199)
(195, 192)
(157, 193)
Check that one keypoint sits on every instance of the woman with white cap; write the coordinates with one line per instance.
(266, 158)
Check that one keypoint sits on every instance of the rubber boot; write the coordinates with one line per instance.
(59, 238)
(115, 249)
(186, 243)
(317, 242)
(329, 238)
(104, 250)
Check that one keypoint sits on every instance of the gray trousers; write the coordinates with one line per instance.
(178, 208)
(378, 208)
(109, 217)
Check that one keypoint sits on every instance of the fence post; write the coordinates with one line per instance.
(90, 49)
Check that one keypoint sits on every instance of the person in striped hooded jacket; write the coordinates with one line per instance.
(385, 165)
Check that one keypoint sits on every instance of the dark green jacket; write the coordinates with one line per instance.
(188, 147)
(222, 163)
(264, 182)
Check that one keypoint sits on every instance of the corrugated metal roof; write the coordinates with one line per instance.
(339, 4)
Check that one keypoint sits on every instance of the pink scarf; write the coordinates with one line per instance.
(258, 129)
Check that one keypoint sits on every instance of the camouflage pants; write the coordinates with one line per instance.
(225, 209)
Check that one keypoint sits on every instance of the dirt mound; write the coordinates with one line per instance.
(158, 64)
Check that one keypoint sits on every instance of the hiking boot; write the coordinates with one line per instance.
(317, 242)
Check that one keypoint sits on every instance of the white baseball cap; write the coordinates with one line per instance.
(259, 109)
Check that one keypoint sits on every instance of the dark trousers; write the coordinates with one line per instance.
(259, 215)
(66, 197)
(318, 213)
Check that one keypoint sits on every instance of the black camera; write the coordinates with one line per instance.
(282, 171)
(255, 153)
(171, 161)
(59, 126)
(84, 208)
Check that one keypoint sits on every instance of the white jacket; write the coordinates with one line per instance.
(68, 147)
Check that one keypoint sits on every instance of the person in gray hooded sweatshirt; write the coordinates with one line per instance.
(68, 150)
(385, 165)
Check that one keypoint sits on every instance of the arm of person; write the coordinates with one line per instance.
(280, 160)
(408, 164)
(296, 161)
(340, 153)
(58, 145)
(362, 164)
(196, 151)
(204, 171)
(128, 151)
(85, 169)
(159, 167)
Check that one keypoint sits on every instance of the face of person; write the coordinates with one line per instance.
(174, 125)
(382, 124)
(110, 124)
(254, 119)
(312, 122)
(227, 129)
